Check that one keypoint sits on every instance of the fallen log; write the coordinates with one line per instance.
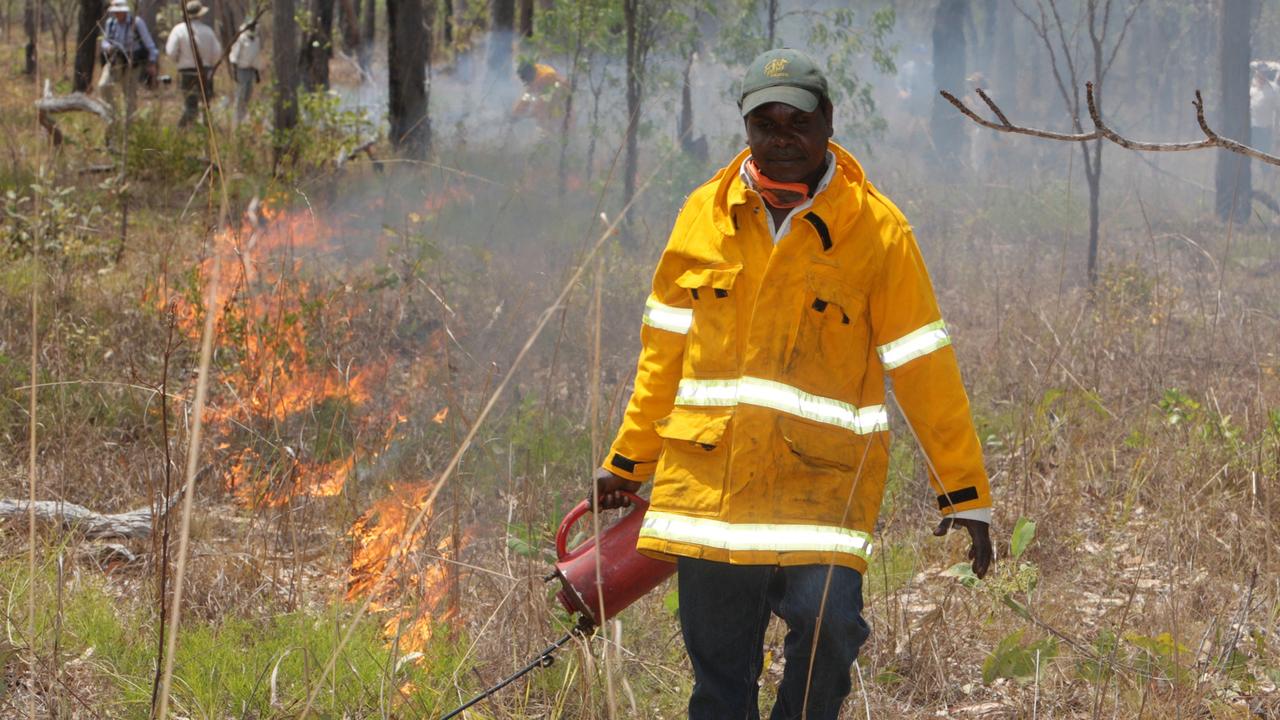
(49, 105)
(133, 525)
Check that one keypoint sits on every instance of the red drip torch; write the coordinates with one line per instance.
(625, 574)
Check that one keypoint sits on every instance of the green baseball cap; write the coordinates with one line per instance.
(785, 76)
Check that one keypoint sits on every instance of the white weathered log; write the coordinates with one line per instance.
(49, 105)
(75, 102)
(133, 524)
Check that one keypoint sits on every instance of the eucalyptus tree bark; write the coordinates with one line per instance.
(317, 46)
(284, 60)
(949, 140)
(408, 51)
(1232, 180)
(86, 44)
(502, 26)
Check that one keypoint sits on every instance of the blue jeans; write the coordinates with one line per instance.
(724, 611)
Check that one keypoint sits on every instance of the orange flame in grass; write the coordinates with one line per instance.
(300, 407)
(382, 537)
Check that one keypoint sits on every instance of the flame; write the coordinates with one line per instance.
(299, 409)
(382, 537)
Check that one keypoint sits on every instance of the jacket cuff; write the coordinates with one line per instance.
(631, 469)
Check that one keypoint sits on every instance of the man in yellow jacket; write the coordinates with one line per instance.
(789, 292)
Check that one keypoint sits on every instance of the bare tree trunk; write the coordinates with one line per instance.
(947, 129)
(317, 47)
(408, 52)
(526, 18)
(31, 26)
(370, 33)
(502, 21)
(771, 23)
(632, 16)
(1005, 80)
(349, 21)
(284, 58)
(446, 16)
(86, 44)
(1232, 181)
(148, 10)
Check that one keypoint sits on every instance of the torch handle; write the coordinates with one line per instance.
(582, 508)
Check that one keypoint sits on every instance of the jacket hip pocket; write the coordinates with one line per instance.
(712, 347)
(832, 339)
(693, 466)
(827, 474)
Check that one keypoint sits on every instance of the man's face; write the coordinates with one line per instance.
(788, 144)
(119, 15)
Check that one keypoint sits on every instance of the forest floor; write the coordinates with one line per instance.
(366, 313)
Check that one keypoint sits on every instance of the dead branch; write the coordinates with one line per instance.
(1102, 130)
(75, 102)
(134, 524)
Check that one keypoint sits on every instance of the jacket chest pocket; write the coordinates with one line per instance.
(832, 337)
(712, 348)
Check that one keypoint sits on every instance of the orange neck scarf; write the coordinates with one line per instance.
(784, 195)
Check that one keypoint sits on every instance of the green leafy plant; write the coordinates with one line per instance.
(1016, 660)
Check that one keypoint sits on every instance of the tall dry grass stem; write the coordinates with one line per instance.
(188, 499)
(594, 404)
(393, 564)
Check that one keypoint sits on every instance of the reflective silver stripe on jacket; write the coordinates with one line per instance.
(784, 398)
(914, 344)
(666, 317)
(755, 536)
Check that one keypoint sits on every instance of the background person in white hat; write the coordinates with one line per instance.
(193, 67)
(128, 54)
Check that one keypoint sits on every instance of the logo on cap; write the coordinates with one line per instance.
(776, 67)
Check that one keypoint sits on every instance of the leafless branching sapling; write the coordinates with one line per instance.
(1101, 130)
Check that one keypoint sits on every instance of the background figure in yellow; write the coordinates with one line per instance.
(545, 96)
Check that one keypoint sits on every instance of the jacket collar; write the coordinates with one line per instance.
(838, 204)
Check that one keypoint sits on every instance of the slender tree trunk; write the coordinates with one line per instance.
(148, 11)
(369, 35)
(408, 51)
(284, 59)
(1093, 178)
(31, 26)
(1232, 181)
(631, 11)
(1005, 80)
(946, 125)
(317, 47)
(87, 43)
(502, 25)
(446, 16)
(526, 18)
(349, 21)
(771, 23)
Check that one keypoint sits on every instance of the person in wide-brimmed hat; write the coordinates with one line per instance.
(195, 49)
(128, 54)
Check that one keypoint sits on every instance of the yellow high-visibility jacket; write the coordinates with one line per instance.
(759, 401)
